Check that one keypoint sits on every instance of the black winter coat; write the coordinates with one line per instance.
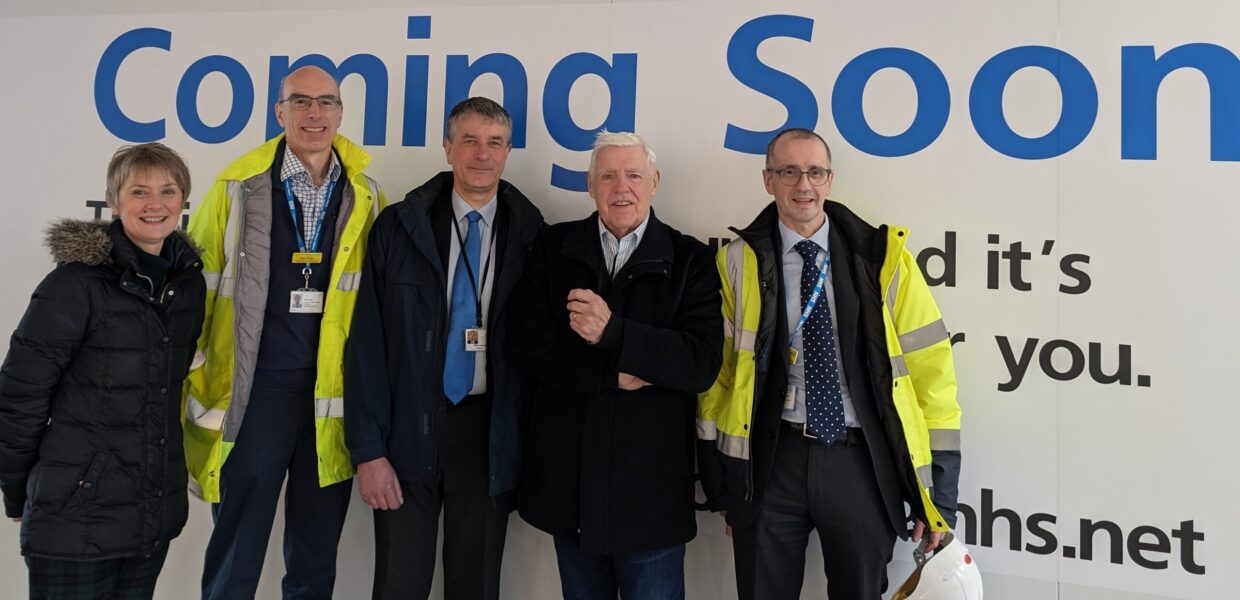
(394, 360)
(608, 469)
(90, 398)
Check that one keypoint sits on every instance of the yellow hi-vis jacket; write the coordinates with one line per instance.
(233, 228)
(923, 379)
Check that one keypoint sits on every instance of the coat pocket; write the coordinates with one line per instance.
(88, 485)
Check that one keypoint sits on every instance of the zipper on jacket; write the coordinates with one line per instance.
(759, 347)
(150, 283)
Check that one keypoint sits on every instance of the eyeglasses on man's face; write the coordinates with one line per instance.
(326, 103)
(792, 175)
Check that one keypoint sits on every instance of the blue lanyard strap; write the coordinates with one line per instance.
(318, 226)
(813, 299)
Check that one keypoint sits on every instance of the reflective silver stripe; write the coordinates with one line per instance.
(892, 290)
(195, 488)
(925, 473)
(736, 274)
(350, 282)
(203, 417)
(228, 281)
(734, 446)
(746, 341)
(706, 430)
(328, 407)
(923, 337)
(945, 439)
(898, 367)
(212, 280)
(200, 358)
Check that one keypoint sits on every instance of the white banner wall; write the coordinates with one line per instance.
(1068, 170)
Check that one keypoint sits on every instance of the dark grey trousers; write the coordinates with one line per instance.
(474, 530)
(828, 488)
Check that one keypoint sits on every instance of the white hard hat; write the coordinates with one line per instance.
(948, 574)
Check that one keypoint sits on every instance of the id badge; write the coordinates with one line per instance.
(476, 339)
(793, 355)
(305, 301)
(790, 398)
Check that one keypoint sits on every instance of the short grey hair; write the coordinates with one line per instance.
(481, 106)
(794, 133)
(141, 158)
(621, 139)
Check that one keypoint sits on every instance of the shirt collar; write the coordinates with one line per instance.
(789, 238)
(293, 167)
(636, 234)
(461, 208)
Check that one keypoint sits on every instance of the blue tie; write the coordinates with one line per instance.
(458, 373)
(824, 398)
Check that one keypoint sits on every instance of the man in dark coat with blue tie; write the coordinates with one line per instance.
(431, 398)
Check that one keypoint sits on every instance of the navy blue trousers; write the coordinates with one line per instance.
(276, 438)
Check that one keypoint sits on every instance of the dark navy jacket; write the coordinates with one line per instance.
(394, 360)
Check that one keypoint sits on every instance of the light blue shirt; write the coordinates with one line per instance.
(792, 266)
(460, 211)
(617, 252)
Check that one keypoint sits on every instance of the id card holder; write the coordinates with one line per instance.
(305, 301)
(476, 339)
(790, 398)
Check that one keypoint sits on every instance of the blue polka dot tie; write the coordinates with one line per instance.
(824, 399)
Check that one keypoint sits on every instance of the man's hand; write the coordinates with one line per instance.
(588, 314)
(936, 537)
(15, 519)
(630, 382)
(726, 528)
(376, 480)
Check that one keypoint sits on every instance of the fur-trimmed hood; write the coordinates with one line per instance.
(89, 242)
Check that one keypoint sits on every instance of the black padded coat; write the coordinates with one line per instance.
(90, 398)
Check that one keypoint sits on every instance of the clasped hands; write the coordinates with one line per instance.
(588, 315)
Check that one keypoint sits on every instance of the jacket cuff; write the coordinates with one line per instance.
(613, 335)
(367, 453)
(13, 506)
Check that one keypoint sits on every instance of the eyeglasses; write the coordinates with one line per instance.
(792, 175)
(326, 103)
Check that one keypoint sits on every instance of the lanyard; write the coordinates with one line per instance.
(318, 227)
(813, 298)
(486, 265)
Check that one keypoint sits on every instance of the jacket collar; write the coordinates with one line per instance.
(259, 160)
(523, 217)
(862, 239)
(95, 243)
(654, 253)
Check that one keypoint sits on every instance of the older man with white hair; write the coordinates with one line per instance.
(619, 319)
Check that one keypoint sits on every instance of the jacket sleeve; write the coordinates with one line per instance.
(45, 342)
(710, 467)
(367, 396)
(550, 352)
(927, 348)
(686, 356)
(206, 228)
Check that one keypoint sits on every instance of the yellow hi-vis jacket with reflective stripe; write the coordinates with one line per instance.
(233, 227)
(923, 379)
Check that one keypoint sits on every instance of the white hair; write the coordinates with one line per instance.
(621, 139)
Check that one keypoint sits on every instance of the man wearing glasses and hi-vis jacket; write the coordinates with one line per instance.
(283, 232)
(836, 403)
